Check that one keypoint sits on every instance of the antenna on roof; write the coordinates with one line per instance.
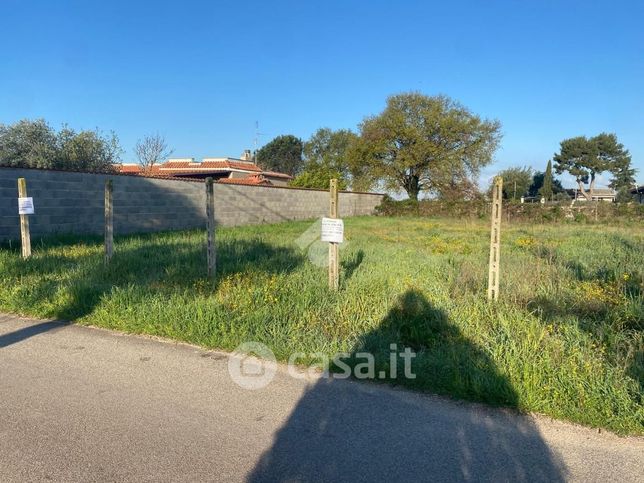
(257, 135)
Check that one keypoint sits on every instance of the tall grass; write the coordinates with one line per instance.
(566, 338)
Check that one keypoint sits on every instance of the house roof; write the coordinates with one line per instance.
(224, 166)
(603, 192)
(173, 167)
(129, 168)
(596, 191)
(275, 174)
(252, 180)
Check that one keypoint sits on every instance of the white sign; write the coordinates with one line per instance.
(332, 230)
(26, 206)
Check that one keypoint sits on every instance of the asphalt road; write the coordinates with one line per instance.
(83, 404)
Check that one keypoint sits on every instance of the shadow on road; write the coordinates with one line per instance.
(350, 431)
(27, 332)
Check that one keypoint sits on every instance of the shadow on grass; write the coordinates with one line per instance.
(446, 361)
(72, 286)
(347, 431)
(351, 265)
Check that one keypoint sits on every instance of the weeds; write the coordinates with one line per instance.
(566, 338)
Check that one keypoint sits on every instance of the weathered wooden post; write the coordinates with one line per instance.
(109, 222)
(210, 225)
(334, 262)
(25, 238)
(495, 240)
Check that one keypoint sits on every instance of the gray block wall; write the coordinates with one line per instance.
(68, 202)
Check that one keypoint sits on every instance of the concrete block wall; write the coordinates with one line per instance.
(68, 202)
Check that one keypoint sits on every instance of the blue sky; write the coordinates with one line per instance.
(202, 73)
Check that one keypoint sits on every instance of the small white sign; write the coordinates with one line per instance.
(26, 206)
(332, 230)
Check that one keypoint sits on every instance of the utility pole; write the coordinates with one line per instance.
(514, 196)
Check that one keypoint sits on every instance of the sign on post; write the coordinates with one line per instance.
(25, 208)
(334, 232)
(495, 240)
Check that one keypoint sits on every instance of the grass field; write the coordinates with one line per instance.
(566, 339)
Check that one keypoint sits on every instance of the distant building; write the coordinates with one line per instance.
(638, 194)
(241, 170)
(599, 194)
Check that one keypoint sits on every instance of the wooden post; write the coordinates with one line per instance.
(334, 262)
(495, 240)
(210, 225)
(25, 238)
(109, 222)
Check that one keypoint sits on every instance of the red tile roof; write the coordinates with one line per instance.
(253, 180)
(242, 166)
(275, 174)
(187, 167)
(126, 168)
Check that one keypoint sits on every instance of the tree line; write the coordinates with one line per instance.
(436, 146)
(519, 182)
(35, 144)
(420, 145)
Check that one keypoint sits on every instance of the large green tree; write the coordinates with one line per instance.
(586, 158)
(34, 144)
(28, 144)
(282, 154)
(516, 182)
(424, 144)
(325, 157)
(87, 150)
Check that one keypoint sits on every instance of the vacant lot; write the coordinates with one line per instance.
(566, 338)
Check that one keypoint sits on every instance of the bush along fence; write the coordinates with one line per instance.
(558, 211)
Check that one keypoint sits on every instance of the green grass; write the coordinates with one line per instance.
(566, 338)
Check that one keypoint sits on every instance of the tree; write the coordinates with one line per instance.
(151, 150)
(623, 175)
(325, 158)
(89, 151)
(34, 144)
(28, 144)
(420, 143)
(586, 158)
(546, 189)
(282, 154)
(538, 180)
(516, 182)
(318, 176)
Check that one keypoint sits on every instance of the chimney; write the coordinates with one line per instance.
(246, 156)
